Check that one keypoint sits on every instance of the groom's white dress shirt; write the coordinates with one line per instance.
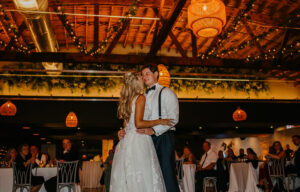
(169, 108)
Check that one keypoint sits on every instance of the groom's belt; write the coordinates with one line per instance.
(168, 132)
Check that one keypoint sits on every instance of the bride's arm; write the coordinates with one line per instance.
(139, 115)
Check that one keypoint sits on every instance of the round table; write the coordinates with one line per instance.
(91, 174)
(189, 177)
(243, 177)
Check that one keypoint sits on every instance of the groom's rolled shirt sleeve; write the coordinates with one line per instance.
(170, 110)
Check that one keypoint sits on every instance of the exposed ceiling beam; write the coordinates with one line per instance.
(149, 32)
(117, 36)
(137, 60)
(96, 26)
(283, 44)
(21, 28)
(194, 44)
(167, 27)
(172, 36)
(249, 30)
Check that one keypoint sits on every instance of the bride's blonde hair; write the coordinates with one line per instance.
(131, 88)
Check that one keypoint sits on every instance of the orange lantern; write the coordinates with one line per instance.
(206, 17)
(239, 115)
(71, 120)
(8, 109)
(164, 76)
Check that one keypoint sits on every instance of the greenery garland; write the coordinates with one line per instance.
(86, 83)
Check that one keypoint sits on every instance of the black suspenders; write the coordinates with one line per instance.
(159, 103)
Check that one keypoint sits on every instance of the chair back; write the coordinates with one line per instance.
(66, 173)
(22, 176)
(179, 169)
(276, 167)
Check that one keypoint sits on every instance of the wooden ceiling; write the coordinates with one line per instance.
(172, 27)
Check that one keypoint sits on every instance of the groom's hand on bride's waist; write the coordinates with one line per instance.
(146, 131)
(121, 134)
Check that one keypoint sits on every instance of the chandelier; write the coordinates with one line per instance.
(8, 109)
(206, 17)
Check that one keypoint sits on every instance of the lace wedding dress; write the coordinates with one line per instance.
(135, 165)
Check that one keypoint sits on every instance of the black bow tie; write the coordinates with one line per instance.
(151, 88)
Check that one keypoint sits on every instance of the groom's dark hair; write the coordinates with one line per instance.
(152, 67)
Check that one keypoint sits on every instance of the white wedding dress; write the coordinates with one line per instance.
(135, 165)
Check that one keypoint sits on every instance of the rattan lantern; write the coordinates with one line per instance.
(71, 120)
(164, 76)
(206, 17)
(239, 115)
(8, 109)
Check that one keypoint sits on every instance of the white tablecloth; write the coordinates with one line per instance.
(90, 174)
(6, 178)
(189, 177)
(243, 177)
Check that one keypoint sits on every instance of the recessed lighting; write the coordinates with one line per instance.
(236, 127)
(43, 138)
(48, 142)
(26, 128)
(200, 127)
(35, 134)
(78, 128)
(271, 126)
(82, 141)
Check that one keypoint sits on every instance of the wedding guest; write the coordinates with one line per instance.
(107, 170)
(242, 154)
(67, 154)
(22, 161)
(188, 157)
(251, 155)
(231, 156)
(36, 156)
(206, 167)
(176, 155)
(288, 152)
(264, 177)
(295, 166)
(10, 156)
(222, 172)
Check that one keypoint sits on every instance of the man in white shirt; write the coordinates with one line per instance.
(206, 167)
(162, 135)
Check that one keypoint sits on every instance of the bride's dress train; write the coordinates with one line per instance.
(135, 165)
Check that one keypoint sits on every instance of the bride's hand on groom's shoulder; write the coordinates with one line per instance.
(121, 134)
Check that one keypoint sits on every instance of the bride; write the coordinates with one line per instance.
(135, 165)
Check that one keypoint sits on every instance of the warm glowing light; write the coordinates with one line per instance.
(26, 128)
(32, 5)
(206, 17)
(239, 115)
(71, 120)
(164, 76)
(43, 138)
(36, 134)
(8, 109)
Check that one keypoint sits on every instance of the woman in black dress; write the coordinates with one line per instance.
(22, 161)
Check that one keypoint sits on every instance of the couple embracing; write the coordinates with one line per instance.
(144, 159)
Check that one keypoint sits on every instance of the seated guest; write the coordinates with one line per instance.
(288, 152)
(275, 152)
(188, 157)
(222, 172)
(242, 154)
(206, 167)
(10, 156)
(251, 155)
(36, 156)
(22, 161)
(231, 156)
(68, 154)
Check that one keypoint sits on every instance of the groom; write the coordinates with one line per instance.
(162, 135)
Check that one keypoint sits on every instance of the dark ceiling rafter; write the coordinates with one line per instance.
(167, 27)
(171, 34)
(138, 59)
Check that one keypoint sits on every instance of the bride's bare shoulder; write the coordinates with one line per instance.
(141, 98)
